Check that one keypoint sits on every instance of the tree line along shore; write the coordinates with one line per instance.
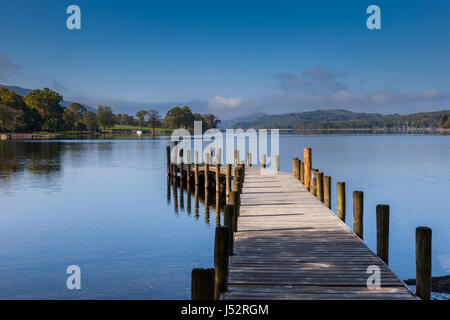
(40, 111)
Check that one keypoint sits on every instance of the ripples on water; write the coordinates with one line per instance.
(108, 207)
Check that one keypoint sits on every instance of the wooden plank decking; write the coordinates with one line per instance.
(289, 245)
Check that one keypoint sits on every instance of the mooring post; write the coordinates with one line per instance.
(294, 166)
(341, 200)
(228, 221)
(302, 172)
(307, 160)
(423, 263)
(276, 163)
(327, 191)
(383, 232)
(358, 205)
(313, 184)
(299, 165)
(206, 171)
(202, 284)
(168, 159)
(236, 158)
(249, 159)
(319, 186)
(263, 161)
(221, 250)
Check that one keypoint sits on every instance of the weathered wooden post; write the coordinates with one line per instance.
(236, 157)
(263, 161)
(276, 163)
(313, 184)
(228, 181)
(188, 168)
(202, 284)
(423, 263)
(228, 221)
(319, 186)
(196, 167)
(221, 250)
(294, 167)
(302, 172)
(307, 160)
(168, 160)
(358, 206)
(327, 191)
(249, 159)
(299, 165)
(341, 200)
(383, 232)
(206, 171)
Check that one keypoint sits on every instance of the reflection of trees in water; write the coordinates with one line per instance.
(196, 195)
(42, 158)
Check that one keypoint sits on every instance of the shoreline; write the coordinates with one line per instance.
(438, 284)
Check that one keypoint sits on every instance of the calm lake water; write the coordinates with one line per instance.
(106, 206)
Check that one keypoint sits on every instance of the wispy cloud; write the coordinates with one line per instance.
(7, 67)
(313, 79)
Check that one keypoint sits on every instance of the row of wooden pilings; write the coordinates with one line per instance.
(209, 284)
(320, 186)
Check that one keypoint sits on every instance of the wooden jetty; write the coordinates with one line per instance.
(289, 245)
(280, 239)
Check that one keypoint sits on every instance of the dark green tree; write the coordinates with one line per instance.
(154, 119)
(140, 115)
(47, 103)
(90, 120)
(105, 117)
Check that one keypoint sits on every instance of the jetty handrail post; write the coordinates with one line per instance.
(313, 184)
(383, 232)
(327, 191)
(319, 186)
(263, 161)
(196, 167)
(206, 171)
(249, 159)
(340, 189)
(228, 221)
(276, 163)
(307, 160)
(202, 284)
(236, 158)
(423, 263)
(302, 173)
(294, 167)
(221, 249)
(188, 164)
(299, 164)
(168, 160)
(358, 206)
(235, 200)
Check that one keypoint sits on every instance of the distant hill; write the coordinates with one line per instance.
(231, 122)
(344, 119)
(293, 120)
(23, 92)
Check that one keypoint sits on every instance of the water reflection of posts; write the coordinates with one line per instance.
(181, 196)
(217, 209)
(196, 202)
(175, 195)
(206, 171)
(188, 168)
(196, 167)
(206, 207)
(228, 182)
(168, 190)
(188, 189)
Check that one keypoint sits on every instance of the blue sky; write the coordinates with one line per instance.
(232, 57)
